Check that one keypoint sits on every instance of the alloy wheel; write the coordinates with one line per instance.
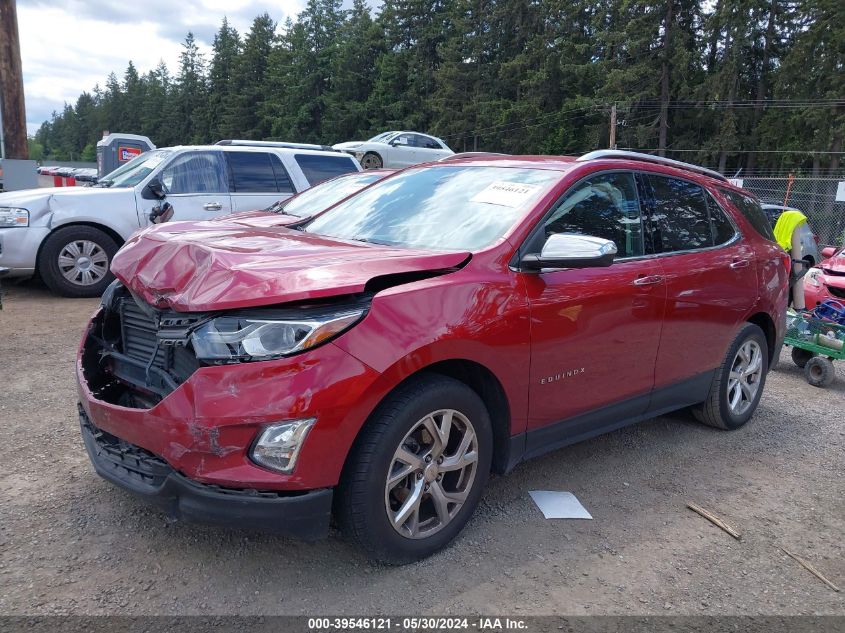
(83, 262)
(431, 474)
(744, 379)
(371, 161)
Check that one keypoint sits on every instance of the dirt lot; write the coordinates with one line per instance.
(72, 543)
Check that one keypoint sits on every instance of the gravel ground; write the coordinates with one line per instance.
(70, 543)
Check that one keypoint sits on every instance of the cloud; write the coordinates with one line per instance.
(69, 47)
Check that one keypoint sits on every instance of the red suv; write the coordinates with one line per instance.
(377, 363)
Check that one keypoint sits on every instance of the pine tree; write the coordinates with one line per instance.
(222, 76)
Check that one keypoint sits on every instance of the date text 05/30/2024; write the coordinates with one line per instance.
(417, 624)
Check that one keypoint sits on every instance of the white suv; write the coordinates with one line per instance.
(69, 235)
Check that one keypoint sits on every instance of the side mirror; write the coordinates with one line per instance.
(828, 251)
(154, 190)
(567, 250)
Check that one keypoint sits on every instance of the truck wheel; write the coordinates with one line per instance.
(371, 160)
(819, 371)
(801, 356)
(417, 470)
(75, 260)
(738, 383)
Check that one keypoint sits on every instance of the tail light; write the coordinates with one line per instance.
(816, 238)
(787, 261)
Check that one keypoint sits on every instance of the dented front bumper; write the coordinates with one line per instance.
(205, 427)
(304, 515)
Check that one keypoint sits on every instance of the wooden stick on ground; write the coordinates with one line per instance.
(809, 568)
(714, 520)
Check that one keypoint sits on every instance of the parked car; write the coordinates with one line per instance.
(396, 149)
(85, 174)
(448, 321)
(827, 281)
(809, 240)
(325, 195)
(69, 235)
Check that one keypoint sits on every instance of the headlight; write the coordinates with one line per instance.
(812, 277)
(12, 216)
(278, 445)
(244, 338)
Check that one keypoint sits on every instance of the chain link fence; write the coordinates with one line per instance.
(815, 197)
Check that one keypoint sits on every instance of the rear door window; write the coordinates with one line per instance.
(752, 211)
(680, 220)
(283, 181)
(723, 229)
(318, 168)
(252, 172)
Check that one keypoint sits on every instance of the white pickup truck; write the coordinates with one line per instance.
(69, 235)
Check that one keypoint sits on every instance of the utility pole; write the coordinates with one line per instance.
(613, 126)
(12, 109)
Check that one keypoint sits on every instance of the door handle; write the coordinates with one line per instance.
(739, 263)
(648, 280)
(212, 206)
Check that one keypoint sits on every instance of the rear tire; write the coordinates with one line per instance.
(738, 383)
(819, 371)
(75, 261)
(801, 356)
(400, 498)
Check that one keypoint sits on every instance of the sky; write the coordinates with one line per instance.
(70, 46)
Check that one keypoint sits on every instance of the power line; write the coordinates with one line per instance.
(516, 125)
(736, 151)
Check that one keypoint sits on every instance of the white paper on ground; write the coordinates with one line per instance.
(559, 505)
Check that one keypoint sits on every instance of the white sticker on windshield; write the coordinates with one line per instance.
(506, 194)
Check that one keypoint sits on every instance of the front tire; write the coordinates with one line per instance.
(371, 160)
(738, 383)
(75, 261)
(417, 470)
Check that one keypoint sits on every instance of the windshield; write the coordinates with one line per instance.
(135, 170)
(322, 196)
(440, 208)
(381, 137)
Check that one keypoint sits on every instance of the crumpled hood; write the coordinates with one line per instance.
(41, 202)
(27, 196)
(259, 219)
(214, 265)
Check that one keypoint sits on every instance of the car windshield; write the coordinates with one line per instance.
(322, 196)
(381, 137)
(135, 170)
(440, 208)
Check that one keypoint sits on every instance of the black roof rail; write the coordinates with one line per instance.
(650, 158)
(468, 155)
(242, 142)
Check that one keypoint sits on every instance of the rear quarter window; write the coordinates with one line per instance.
(752, 211)
(318, 168)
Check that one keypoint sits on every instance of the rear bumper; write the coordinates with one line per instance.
(304, 515)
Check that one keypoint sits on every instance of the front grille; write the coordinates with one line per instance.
(154, 362)
(138, 332)
(836, 292)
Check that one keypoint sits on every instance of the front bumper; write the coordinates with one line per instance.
(303, 515)
(205, 427)
(19, 249)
